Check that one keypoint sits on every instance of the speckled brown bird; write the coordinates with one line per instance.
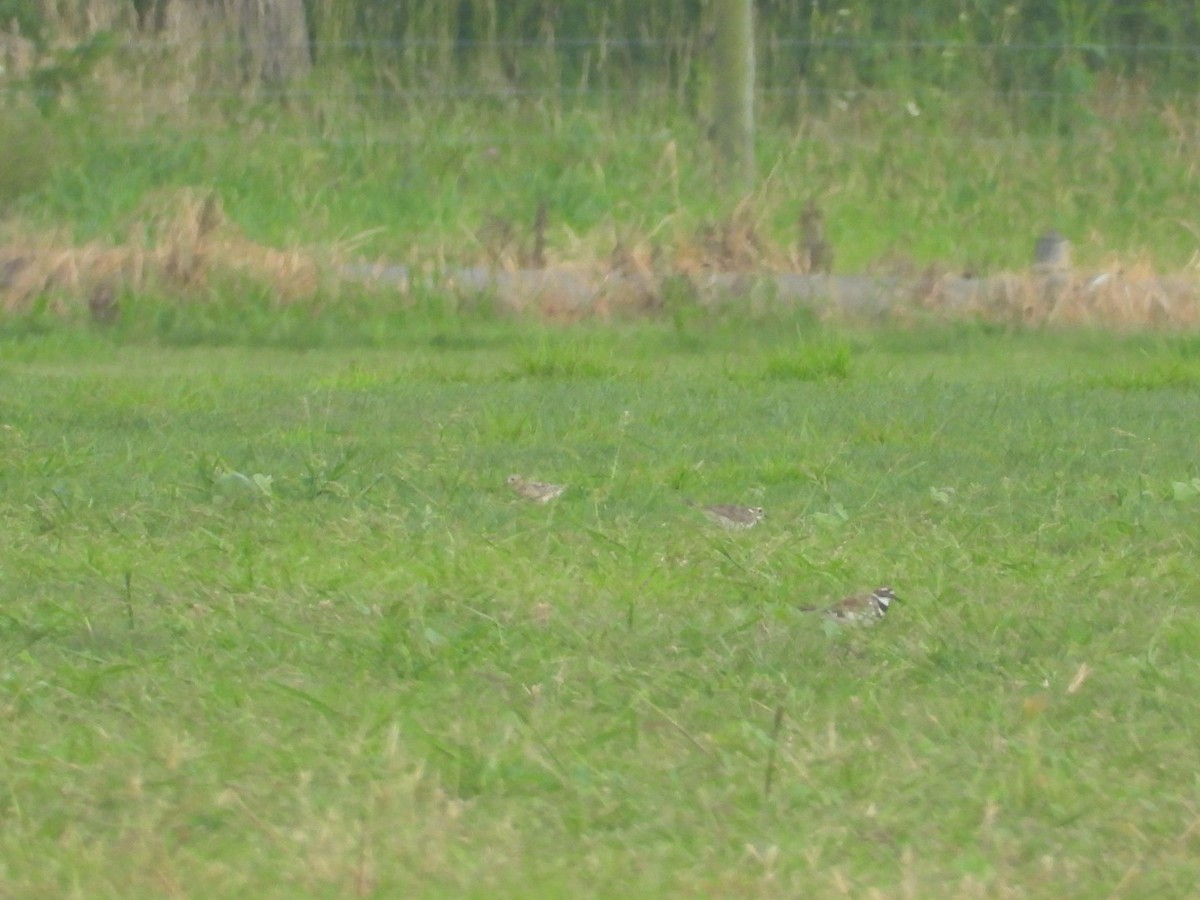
(537, 491)
(732, 516)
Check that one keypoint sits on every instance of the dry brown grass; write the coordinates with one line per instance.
(181, 244)
(1121, 298)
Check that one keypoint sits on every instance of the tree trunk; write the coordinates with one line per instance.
(274, 35)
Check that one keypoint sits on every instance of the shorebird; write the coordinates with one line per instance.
(732, 516)
(537, 491)
(858, 609)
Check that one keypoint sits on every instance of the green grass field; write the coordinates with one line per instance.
(273, 626)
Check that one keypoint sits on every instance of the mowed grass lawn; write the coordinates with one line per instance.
(273, 626)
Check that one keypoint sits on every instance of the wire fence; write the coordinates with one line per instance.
(1042, 87)
(458, 45)
(641, 58)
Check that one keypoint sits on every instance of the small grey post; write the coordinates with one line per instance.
(1052, 269)
(1052, 254)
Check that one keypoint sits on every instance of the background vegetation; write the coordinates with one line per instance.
(1038, 56)
(951, 133)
